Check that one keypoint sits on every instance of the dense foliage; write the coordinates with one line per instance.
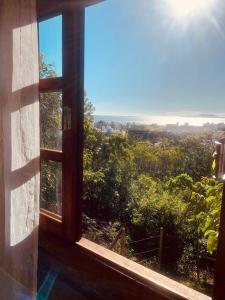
(144, 185)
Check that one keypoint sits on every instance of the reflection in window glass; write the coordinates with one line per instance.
(51, 186)
(50, 47)
(154, 72)
(51, 120)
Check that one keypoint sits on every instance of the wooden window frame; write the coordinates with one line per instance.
(69, 226)
(71, 85)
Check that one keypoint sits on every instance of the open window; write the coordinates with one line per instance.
(148, 160)
(62, 146)
(61, 115)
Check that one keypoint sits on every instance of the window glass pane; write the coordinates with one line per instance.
(154, 78)
(51, 186)
(51, 120)
(50, 47)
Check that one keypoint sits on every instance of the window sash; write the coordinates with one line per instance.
(68, 226)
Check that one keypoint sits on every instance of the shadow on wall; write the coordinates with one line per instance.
(19, 149)
(10, 287)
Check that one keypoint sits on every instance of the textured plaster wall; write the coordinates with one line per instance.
(19, 145)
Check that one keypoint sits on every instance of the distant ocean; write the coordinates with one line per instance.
(162, 120)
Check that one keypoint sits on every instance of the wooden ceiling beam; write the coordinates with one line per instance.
(51, 8)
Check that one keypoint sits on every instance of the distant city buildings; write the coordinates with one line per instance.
(147, 131)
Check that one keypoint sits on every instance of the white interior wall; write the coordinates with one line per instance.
(19, 145)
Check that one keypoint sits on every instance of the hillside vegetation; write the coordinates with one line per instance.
(133, 183)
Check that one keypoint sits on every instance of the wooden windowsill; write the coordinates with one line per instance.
(51, 215)
(88, 257)
(151, 279)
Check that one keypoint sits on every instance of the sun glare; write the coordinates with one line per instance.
(186, 8)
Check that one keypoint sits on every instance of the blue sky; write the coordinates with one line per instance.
(142, 60)
(50, 42)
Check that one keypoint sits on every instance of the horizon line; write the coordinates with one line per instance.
(169, 114)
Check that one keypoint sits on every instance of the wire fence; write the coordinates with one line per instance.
(153, 245)
(121, 237)
(145, 252)
(145, 239)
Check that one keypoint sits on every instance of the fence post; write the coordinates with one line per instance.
(160, 247)
(122, 241)
(111, 247)
(198, 254)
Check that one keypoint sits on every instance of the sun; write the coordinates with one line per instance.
(182, 9)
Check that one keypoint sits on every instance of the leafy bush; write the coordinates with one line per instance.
(207, 198)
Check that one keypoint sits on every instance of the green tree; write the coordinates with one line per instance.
(205, 209)
(197, 157)
(51, 138)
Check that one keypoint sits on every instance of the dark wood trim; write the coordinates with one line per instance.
(50, 223)
(73, 94)
(149, 284)
(47, 154)
(44, 15)
(160, 284)
(72, 87)
(50, 8)
(219, 286)
(54, 84)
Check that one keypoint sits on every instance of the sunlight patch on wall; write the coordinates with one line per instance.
(23, 212)
(22, 53)
(24, 137)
